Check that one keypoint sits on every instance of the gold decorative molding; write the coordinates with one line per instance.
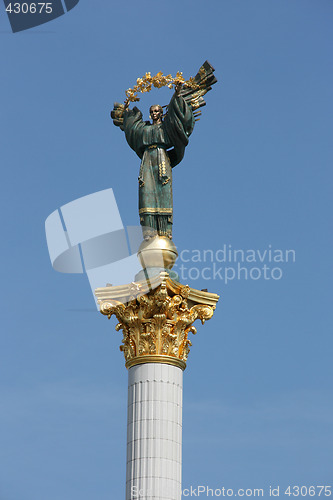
(156, 317)
(169, 360)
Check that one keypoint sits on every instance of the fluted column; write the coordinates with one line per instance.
(154, 432)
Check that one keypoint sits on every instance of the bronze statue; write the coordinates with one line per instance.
(161, 146)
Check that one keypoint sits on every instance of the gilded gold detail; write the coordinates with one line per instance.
(162, 169)
(153, 210)
(169, 360)
(202, 73)
(147, 82)
(156, 322)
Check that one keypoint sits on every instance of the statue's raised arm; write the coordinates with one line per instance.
(161, 145)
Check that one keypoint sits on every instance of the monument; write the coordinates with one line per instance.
(155, 312)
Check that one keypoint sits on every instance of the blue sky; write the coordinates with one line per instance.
(257, 172)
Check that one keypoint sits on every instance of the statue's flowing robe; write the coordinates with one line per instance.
(160, 148)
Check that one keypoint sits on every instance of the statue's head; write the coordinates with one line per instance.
(156, 113)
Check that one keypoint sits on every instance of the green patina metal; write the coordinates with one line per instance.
(161, 146)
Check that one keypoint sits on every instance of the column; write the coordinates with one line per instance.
(154, 432)
(156, 317)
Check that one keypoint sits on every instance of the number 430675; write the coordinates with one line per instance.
(311, 491)
(32, 8)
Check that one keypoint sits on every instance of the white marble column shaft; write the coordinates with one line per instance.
(154, 432)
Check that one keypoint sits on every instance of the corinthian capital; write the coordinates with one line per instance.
(156, 318)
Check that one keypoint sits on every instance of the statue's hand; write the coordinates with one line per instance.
(117, 114)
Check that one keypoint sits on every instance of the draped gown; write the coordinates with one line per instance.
(160, 148)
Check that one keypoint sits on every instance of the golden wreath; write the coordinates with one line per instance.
(147, 82)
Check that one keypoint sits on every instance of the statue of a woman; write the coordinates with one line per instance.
(161, 146)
